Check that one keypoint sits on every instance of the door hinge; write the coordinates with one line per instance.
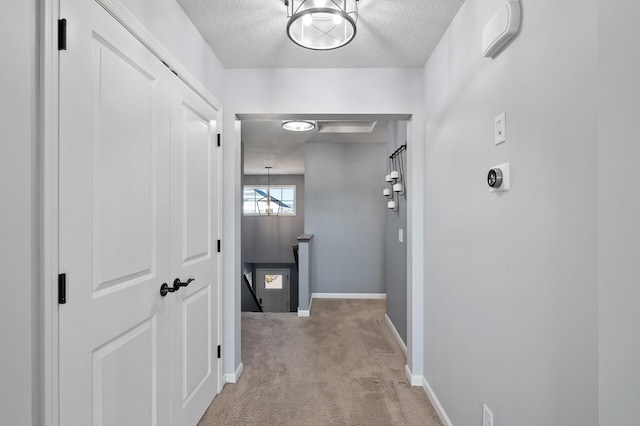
(62, 34)
(62, 289)
(219, 247)
(219, 352)
(218, 139)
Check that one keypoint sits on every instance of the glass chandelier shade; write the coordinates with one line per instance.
(322, 24)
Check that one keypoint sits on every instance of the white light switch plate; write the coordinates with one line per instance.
(500, 128)
(401, 235)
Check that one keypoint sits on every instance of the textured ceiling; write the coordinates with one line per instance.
(266, 143)
(252, 34)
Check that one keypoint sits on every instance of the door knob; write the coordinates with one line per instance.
(177, 284)
(164, 289)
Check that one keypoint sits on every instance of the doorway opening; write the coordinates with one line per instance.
(407, 231)
(273, 289)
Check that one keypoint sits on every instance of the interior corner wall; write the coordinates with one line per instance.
(168, 23)
(511, 297)
(19, 216)
(395, 250)
(346, 214)
(270, 239)
(619, 209)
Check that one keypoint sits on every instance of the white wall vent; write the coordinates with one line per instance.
(500, 29)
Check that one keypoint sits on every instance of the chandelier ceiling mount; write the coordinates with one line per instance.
(321, 24)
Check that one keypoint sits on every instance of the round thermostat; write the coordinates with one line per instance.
(494, 178)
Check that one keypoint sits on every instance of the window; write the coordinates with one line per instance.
(273, 282)
(282, 201)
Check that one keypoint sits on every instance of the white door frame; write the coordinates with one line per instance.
(48, 166)
(232, 210)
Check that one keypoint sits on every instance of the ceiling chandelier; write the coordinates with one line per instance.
(321, 24)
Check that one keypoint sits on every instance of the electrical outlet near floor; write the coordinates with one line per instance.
(487, 416)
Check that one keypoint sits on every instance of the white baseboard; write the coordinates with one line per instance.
(396, 334)
(234, 377)
(349, 296)
(436, 403)
(305, 313)
(414, 380)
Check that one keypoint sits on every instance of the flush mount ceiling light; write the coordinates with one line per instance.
(298, 125)
(321, 24)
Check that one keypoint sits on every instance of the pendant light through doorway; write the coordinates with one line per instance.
(267, 200)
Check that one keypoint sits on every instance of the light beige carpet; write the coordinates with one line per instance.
(341, 366)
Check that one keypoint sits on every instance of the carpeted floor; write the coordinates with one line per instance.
(341, 366)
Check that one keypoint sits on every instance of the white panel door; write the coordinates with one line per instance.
(194, 230)
(114, 212)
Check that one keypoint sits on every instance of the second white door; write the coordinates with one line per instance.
(194, 223)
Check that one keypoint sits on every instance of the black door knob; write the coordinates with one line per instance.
(177, 283)
(164, 289)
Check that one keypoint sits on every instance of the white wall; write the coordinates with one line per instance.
(313, 91)
(166, 20)
(619, 210)
(19, 334)
(511, 292)
(346, 215)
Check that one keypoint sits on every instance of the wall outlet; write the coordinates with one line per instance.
(500, 128)
(401, 235)
(487, 416)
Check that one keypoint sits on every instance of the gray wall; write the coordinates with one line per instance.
(618, 212)
(396, 251)
(269, 239)
(19, 313)
(511, 292)
(346, 213)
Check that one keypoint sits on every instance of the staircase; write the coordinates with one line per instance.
(248, 288)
